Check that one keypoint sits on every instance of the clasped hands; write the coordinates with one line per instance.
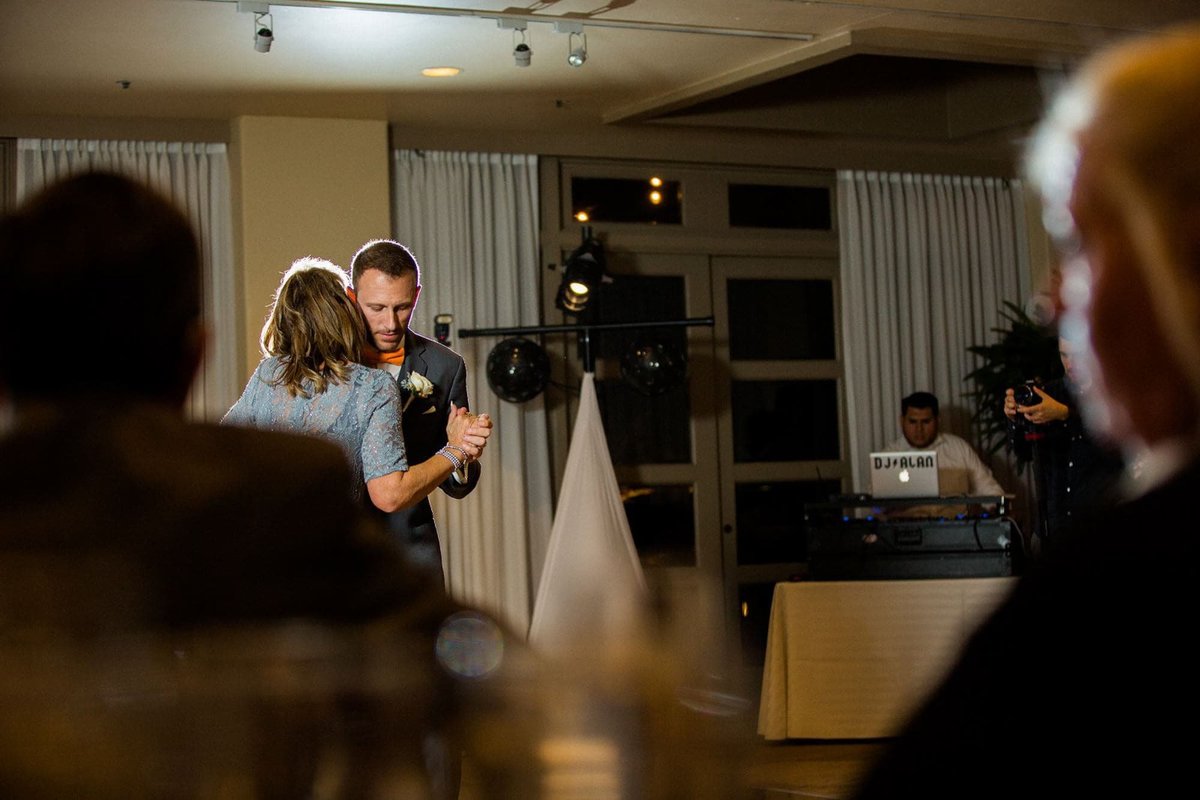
(1049, 410)
(468, 432)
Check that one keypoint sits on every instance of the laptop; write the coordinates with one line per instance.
(909, 473)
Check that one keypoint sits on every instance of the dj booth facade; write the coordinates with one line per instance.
(885, 611)
(970, 547)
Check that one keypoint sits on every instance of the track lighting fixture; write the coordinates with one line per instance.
(576, 41)
(577, 49)
(263, 32)
(522, 55)
(522, 52)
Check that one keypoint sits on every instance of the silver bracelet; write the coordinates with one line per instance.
(453, 459)
(462, 454)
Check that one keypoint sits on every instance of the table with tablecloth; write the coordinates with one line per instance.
(851, 659)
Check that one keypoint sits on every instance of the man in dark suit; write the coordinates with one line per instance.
(433, 384)
(1070, 688)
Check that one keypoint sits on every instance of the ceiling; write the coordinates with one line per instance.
(915, 72)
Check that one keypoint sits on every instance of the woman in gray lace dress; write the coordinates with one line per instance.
(310, 382)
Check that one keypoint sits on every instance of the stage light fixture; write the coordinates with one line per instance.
(583, 273)
(518, 369)
(263, 32)
(576, 49)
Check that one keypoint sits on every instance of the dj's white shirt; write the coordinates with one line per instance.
(955, 454)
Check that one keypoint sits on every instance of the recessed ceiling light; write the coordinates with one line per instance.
(441, 72)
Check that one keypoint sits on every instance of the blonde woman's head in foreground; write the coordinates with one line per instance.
(1118, 166)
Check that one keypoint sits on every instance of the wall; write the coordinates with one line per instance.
(321, 186)
(302, 187)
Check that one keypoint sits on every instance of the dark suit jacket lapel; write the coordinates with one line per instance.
(414, 361)
(414, 356)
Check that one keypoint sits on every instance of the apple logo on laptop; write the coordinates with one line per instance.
(904, 476)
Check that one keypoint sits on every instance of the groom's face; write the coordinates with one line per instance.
(387, 304)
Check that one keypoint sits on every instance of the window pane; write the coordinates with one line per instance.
(787, 207)
(638, 298)
(641, 428)
(627, 200)
(785, 421)
(645, 430)
(770, 522)
(781, 319)
(663, 522)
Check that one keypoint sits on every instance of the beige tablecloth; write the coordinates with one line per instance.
(851, 659)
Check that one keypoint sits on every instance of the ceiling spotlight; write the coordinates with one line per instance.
(263, 35)
(577, 45)
(522, 55)
(522, 52)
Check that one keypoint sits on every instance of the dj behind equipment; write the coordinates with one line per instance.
(865, 537)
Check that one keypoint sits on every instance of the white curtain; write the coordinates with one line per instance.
(195, 176)
(472, 221)
(927, 263)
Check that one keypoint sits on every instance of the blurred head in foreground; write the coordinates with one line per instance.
(102, 271)
(1118, 167)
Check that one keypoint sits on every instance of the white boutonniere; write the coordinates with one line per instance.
(415, 385)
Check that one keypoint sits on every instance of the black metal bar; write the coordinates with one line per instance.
(467, 333)
(589, 358)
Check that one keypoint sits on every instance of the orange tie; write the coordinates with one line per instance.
(374, 356)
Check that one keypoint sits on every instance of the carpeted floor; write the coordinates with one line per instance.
(796, 770)
(775, 771)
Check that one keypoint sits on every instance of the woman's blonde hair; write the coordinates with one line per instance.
(314, 328)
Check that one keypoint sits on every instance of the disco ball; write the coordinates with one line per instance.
(518, 370)
(653, 367)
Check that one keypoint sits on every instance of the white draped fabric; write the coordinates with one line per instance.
(195, 176)
(472, 221)
(927, 263)
(592, 593)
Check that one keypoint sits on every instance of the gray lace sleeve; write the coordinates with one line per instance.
(383, 442)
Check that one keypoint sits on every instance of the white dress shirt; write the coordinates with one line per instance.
(954, 453)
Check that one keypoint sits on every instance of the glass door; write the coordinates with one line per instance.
(781, 434)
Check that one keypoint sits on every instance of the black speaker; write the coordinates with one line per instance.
(936, 548)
